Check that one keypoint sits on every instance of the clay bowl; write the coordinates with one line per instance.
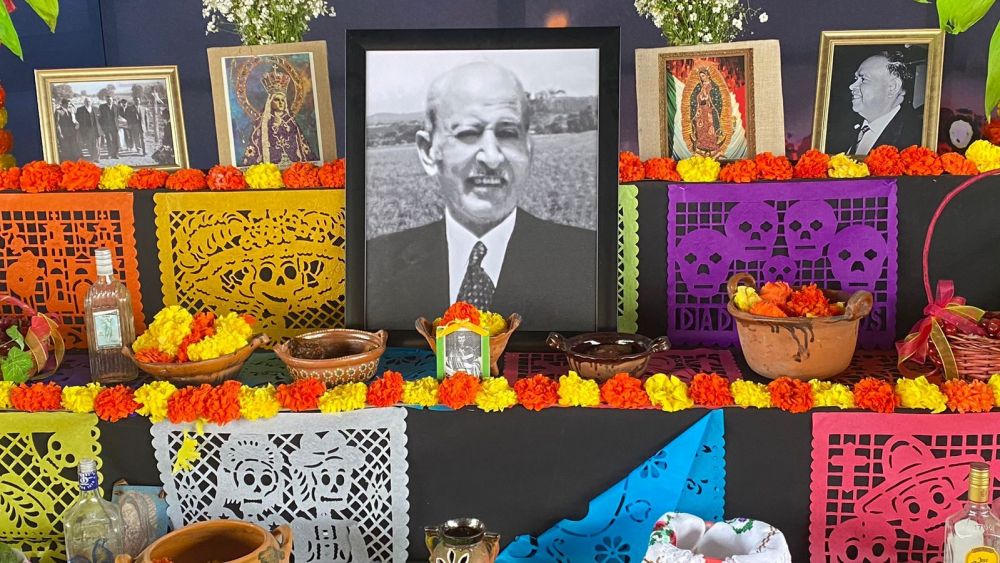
(799, 347)
(497, 343)
(226, 541)
(211, 371)
(602, 355)
(349, 356)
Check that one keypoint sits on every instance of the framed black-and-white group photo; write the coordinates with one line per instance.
(484, 171)
(878, 88)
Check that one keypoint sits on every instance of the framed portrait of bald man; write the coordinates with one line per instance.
(878, 88)
(483, 170)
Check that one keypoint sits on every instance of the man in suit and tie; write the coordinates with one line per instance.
(88, 132)
(66, 131)
(107, 117)
(882, 94)
(486, 250)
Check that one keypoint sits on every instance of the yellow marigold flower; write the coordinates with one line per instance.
(5, 387)
(699, 169)
(423, 392)
(745, 298)
(843, 166)
(668, 392)
(188, 455)
(984, 154)
(347, 397)
(165, 333)
(7, 161)
(263, 176)
(80, 398)
(232, 332)
(115, 177)
(152, 398)
(750, 394)
(493, 322)
(827, 394)
(994, 383)
(3, 117)
(575, 391)
(258, 402)
(920, 393)
(495, 395)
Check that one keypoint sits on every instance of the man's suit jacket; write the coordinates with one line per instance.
(549, 276)
(88, 122)
(905, 129)
(107, 115)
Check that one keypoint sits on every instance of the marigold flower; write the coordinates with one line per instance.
(661, 169)
(461, 311)
(710, 390)
(38, 176)
(222, 404)
(231, 333)
(767, 309)
(624, 392)
(116, 177)
(302, 395)
(575, 391)
(828, 394)
(225, 178)
(36, 397)
(5, 388)
(875, 395)
(343, 398)
(699, 169)
(985, 155)
(884, 160)
(746, 297)
(333, 174)
(920, 393)
(202, 325)
(813, 164)
(750, 394)
(79, 176)
(536, 393)
(777, 292)
(301, 175)
(739, 172)
(458, 390)
(152, 399)
(495, 395)
(387, 390)
(187, 404)
(80, 398)
(7, 161)
(115, 403)
(264, 176)
(6, 141)
(10, 178)
(771, 167)
(630, 167)
(493, 322)
(187, 180)
(148, 179)
(968, 396)
(991, 131)
(957, 165)
(843, 166)
(187, 455)
(920, 161)
(154, 356)
(808, 301)
(791, 395)
(258, 402)
(668, 392)
(422, 392)
(994, 382)
(169, 328)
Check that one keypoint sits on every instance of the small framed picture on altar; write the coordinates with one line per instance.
(878, 88)
(272, 104)
(462, 346)
(109, 116)
(722, 101)
(482, 170)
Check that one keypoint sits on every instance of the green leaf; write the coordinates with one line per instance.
(8, 35)
(993, 74)
(6, 553)
(16, 366)
(16, 335)
(48, 10)
(922, 1)
(957, 16)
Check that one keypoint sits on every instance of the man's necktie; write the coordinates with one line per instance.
(477, 287)
(861, 135)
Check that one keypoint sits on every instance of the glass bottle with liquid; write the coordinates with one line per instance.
(110, 325)
(92, 525)
(973, 534)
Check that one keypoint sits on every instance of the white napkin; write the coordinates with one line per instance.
(684, 538)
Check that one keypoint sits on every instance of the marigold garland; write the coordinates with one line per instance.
(829, 394)
(920, 161)
(710, 390)
(301, 175)
(152, 399)
(225, 178)
(791, 395)
(458, 390)
(187, 403)
(624, 392)
(968, 396)
(116, 177)
(258, 403)
(333, 174)
(115, 403)
(537, 392)
(187, 180)
(751, 394)
(985, 155)
(38, 176)
(36, 397)
(813, 164)
(343, 398)
(495, 395)
(630, 167)
(575, 391)
(739, 172)
(10, 178)
(875, 395)
(148, 179)
(664, 169)
(264, 176)
(222, 404)
(957, 165)
(920, 393)
(843, 166)
(422, 392)
(884, 160)
(5, 388)
(80, 398)
(79, 176)
(699, 169)
(771, 167)
(302, 395)
(387, 390)
(668, 392)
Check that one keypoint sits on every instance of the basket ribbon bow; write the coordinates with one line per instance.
(948, 308)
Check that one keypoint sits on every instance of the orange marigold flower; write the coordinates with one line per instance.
(80, 176)
(40, 176)
(813, 164)
(36, 397)
(10, 179)
(302, 395)
(222, 403)
(225, 178)
(624, 392)
(964, 396)
(920, 161)
(202, 326)
(301, 175)
(461, 311)
(186, 180)
(148, 179)
(188, 403)
(536, 393)
(458, 390)
(991, 131)
(3, 96)
(710, 390)
(777, 292)
(6, 141)
(771, 167)
(630, 167)
(875, 395)
(387, 390)
(333, 174)
(739, 172)
(154, 356)
(661, 169)
(114, 403)
(791, 395)
(884, 160)
(955, 164)
(767, 309)
(808, 301)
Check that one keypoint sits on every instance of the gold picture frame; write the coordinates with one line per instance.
(297, 70)
(876, 40)
(149, 130)
(666, 131)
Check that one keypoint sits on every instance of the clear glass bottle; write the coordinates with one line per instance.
(973, 534)
(110, 325)
(92, 525)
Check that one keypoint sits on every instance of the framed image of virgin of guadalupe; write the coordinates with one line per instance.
(272, 104)
(721, 101)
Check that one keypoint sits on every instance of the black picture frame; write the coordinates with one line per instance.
(604, 39)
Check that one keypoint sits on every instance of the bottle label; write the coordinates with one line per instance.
(982, 555)
(107, 330)
(88, 482)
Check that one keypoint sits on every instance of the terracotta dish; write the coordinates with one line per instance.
(799, 347)
(225, 541)
(211, 371)
(335, 355)
(602, 355)
(497, 343)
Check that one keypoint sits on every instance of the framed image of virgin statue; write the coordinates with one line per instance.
(272, 104)
(722, 101)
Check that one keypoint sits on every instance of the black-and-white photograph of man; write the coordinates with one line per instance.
(877, 95)
(481, 185)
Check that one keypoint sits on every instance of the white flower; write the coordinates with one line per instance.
(694, 16)
(738, 23)
(763, 17)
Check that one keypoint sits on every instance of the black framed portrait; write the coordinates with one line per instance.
(482, 169)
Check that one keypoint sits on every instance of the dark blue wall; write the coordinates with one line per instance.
(156, 32)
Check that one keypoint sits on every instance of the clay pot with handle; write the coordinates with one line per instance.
(225, 541)
(462, 539)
